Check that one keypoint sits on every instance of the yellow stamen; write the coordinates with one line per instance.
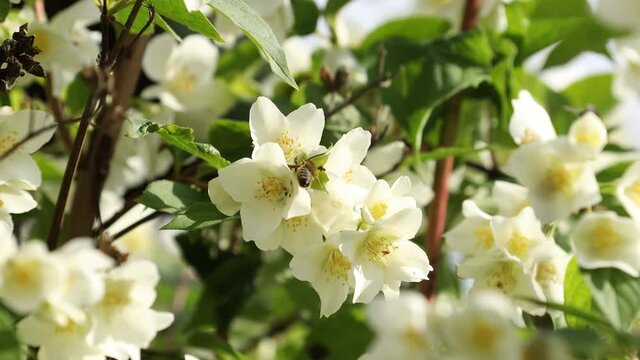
(337, 266)
(484, 235)
(561, 178)
(633, 192)
(378, 210)
(518, 245)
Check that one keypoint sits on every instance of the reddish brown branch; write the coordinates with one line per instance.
(437, 213)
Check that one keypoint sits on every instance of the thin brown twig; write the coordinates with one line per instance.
(34, 134)
(437, 213)
(380, 83)
(55, 106)
(133, 226)
(120, 41)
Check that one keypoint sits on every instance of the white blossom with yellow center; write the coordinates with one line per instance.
(403, 328)
(474, 234)
(184, 74)
(384, 255)
(558, 185)
(628, 191)
(604, 239)
(627, 74)
(293, 235)
(506, 276)
(328, 270)
(123, 321)
(530, 122)
(58, 335)
(385, 201)
(267, 191)
(483, 329)
(297, 134)
(588, 135)
(30, 277)
(521, 238)
(549, 275)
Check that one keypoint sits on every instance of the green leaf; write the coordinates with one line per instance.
(259, 32)
(232, 138)
(344, 335)
(444, 68)
(616, 294)
(9, 346)
(306, 15)
(139, 22)
(5, 5)
(194, 20)
(415, 28)
(199, 215)
(180, 137)
(569, 23)
(594, 91)
(170, 197)
(576, 294)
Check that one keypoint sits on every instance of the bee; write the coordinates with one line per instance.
(307, 170)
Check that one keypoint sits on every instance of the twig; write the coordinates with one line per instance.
(41, 14)
(380, 83)
(131, 227)
(72, 165)
(34, 134)
(55, 106)
(437, 213)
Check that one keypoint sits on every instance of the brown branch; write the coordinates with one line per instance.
(437, 213)
(94, 167)
(69, 173)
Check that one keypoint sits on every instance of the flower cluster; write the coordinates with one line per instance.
(75, 304)
(345, 229)
(481, 327)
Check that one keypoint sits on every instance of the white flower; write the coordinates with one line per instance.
(30, 277)
(619, 13)
(521, 238)
(421, 177)
(19, 169)
(297, 134)
(506, 276)
(294, 234)
(474, 234)
(549, 274)
(123, 321)
(628, 191)
(558, 185)
(221, 199)
(83, 267)
(604, 239)
(383, 158)
(267, 190)
(384, 256)
(402, 328)
(482, 329)
(58, 336)
(348, 185)
(195, 5)
(385, 201)
(14, 200)
(589, 135)
(8, 245)
(298, 52)
(627, 73)
(329, 272)
(66, 44)
(184, 73)
(530, 122)
(509, 198)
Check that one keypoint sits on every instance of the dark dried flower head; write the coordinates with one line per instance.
(16, 58)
